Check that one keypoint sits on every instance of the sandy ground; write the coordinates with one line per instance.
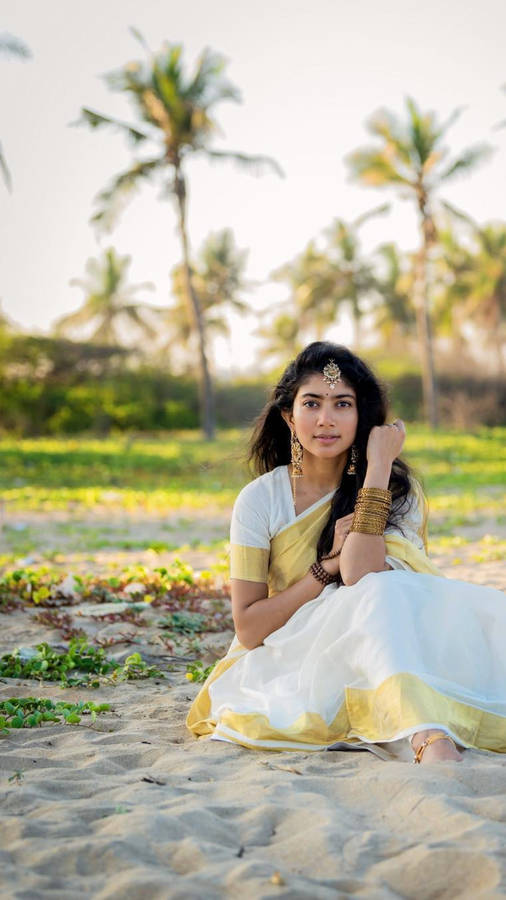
(133, 807)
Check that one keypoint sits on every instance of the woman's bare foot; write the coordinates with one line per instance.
(438, 750)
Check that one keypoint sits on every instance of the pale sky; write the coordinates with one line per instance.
(310, 74)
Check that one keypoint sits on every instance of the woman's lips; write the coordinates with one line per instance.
(327, 439)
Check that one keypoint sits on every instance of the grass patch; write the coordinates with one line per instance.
(463, 475)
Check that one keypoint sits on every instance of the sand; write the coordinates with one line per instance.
(134, 807)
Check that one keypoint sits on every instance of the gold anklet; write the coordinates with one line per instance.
(430, 740)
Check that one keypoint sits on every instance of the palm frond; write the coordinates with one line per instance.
(459, 214)
(105, 333)
(385, 125)
(377, 211)
(245, 161)
(13, 46)
(208, 86)
(112, 199)
(97, 120)
(452, 118)
(469, 159)
(375, 168)
(135, 314)
(71, 321)
(421, 129)
(166, 91)
(140, 37)
(5, 170)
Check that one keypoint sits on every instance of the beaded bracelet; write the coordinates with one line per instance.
(330, 556)
(321, 574)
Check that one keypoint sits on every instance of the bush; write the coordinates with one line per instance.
(145, 400)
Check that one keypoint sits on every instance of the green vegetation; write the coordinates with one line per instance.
(30, 712)
(197, 671)
(182, 471)
(146, 474)
(76, 666)
(184, 623)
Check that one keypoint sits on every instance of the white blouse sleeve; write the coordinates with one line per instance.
(249, 535)
(411, 525)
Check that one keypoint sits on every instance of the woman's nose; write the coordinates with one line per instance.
(325, 415)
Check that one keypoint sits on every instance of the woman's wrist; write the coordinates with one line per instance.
(378, 474)
(330, 565)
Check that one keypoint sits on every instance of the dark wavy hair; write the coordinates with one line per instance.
(270, 442)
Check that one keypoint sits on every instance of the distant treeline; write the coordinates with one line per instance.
(60, 387)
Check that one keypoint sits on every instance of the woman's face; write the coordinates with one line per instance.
(325, 419)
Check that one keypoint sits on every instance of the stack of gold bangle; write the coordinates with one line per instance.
(371, 510)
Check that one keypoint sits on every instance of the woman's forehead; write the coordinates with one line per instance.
(316, 384)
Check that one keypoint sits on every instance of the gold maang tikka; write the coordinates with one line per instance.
(331, 373)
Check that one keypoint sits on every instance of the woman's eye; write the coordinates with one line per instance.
(339, 403)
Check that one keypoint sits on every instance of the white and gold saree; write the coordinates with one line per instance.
(365, 664)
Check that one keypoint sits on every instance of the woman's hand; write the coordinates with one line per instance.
(386, 442)
(341, 532)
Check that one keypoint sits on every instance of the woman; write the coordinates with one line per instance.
(346, 633)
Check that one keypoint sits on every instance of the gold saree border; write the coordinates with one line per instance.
(374, 715)
(249, 563)
(198, 719)
(293, 549)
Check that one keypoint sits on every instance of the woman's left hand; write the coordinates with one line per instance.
(386, 442)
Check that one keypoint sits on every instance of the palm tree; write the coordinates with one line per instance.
(411, 158)
(312, 281)
(109, 302)
(175, 116)
(11, 46)
(356, 279)
(320, 281)
(474, 280)
(394, 313)
(218, 280)
(282, 338)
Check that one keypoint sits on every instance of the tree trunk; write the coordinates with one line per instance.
(425, 337)
(499, 348)
(206, 393)
(357, 330)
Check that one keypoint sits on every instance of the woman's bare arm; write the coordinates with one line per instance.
(256, 615)
(363, 553)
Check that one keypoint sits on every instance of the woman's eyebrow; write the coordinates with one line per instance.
(334, 396)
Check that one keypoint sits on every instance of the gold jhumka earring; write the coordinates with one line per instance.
(352, 468)
(296, 451)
